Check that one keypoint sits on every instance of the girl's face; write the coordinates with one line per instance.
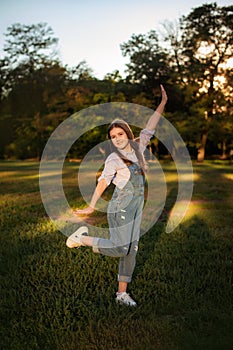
(119, 138)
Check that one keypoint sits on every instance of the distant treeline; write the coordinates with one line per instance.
(192, 59)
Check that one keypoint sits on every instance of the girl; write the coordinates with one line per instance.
(125, 167)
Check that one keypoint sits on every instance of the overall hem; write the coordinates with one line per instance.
(95, 245)
(126, 279)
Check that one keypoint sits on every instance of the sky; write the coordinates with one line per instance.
(94, 30)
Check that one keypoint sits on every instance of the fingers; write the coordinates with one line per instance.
(163, 92)
(85, 211)
(79, 212)
(162, 89)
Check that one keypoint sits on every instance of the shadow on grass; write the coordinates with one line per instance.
(56, 298)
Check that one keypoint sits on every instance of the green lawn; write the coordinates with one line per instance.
(56, 298)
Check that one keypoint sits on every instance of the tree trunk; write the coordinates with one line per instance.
(224, 149)
(201, 150)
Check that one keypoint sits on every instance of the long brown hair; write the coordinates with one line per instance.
(119, 123)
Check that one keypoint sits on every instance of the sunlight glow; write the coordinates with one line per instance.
(229, 176)
(208, 51)
(172, 177)
(204, 50)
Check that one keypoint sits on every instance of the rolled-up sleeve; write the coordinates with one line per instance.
(145, 136)
(115, 171)
(109, 171)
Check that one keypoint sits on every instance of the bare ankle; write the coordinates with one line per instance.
(87, 240)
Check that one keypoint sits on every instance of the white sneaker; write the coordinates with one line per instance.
(124, 298)
(74, 241)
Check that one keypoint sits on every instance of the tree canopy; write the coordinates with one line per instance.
(192, 60)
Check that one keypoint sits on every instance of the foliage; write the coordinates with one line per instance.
(207, 48)
(193, 62)
(148, 62)
(29, 45)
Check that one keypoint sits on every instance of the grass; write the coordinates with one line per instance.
(56, 298)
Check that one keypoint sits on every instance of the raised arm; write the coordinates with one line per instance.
(154, 119)
(99, 190)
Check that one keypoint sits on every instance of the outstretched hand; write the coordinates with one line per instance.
(86, 211)
(164, 95)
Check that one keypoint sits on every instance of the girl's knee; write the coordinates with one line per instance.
(129, 249)
(123, 251)
(134, 249)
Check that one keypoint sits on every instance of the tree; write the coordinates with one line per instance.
(33, 78)
(148, 61)
(172, 38)
(30, 45)
(207, 47)
(37, 105)
(80, 72)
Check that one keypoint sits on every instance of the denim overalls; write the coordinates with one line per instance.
(124, 219)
